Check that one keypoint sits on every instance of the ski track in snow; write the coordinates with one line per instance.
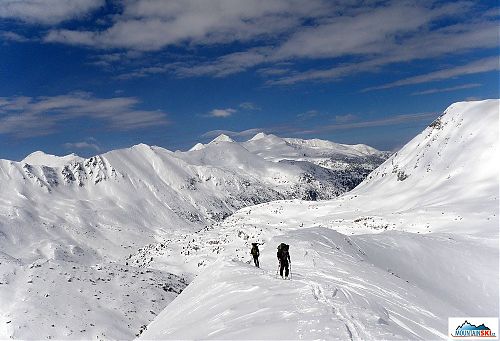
(345, 303)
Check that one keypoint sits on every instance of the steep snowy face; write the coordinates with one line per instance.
(445, 179)
(454, 160)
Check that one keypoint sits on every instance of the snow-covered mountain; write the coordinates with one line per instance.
(71, 228)
(335, 156)
(444, 180)
(40, 158)
(99, 248)
(414, 244)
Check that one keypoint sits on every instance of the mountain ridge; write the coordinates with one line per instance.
(147, 222)
(87, 219)
(390, 259)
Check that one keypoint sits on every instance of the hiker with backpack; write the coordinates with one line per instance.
(284, 259)
(255, 253)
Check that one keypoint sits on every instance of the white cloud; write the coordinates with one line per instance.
(249, 106)
(450, 40)
(245, 133)
(369, 30)
(345, 118)
(458, 38)
(82, 145)
(308, 114)
(274, 71)
(223, 66)
(382, 122)
(47, 11)
(222, 112)
(477, 66)
(13, 36)
(153, 24)
(448, 89)
(334, 73)
(27, 116)
(372, 34)
(473, 98)
(346, 122)
(70, 37)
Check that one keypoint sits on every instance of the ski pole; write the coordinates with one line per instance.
(290, 270)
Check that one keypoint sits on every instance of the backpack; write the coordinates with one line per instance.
(255, 250)
(283, 251)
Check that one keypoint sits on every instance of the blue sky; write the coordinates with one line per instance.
(88, 76)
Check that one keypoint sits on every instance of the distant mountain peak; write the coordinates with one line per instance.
(197, 146)
(222, 138)
(258, 136)
(37, 153)
(141, 146)
(40, 158)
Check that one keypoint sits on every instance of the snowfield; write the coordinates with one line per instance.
(145, 242)
(414, 244)
(72, 229)
(386, 286)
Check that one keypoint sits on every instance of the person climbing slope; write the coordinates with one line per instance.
(255, 253)
(284, 259)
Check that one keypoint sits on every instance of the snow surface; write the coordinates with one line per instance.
(414, 244)
(385, 286)
(222, 138)
(323, 153)
(40, 158)
(99, 248)
(73, 230)
(197, 146)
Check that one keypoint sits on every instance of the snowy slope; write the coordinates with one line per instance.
(40, 158)
(414, 244)
(388, 286)
(392, 259)
(70, 229)
(221, 138)
(327, 154)
(331, 155)
(444, 180)
(454, 161)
